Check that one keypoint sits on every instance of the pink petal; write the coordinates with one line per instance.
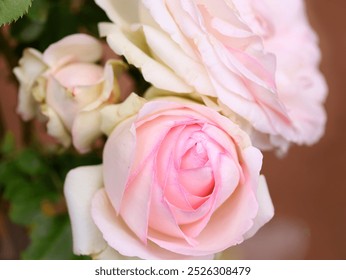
(118, 156)
(120, 237)
(198, 181)
(136, 200)
(79, 74)
(265, 208)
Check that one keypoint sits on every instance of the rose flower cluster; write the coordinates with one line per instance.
(181, 171)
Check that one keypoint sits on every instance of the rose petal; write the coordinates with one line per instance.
(55, 127)
(26, 106)
(198, 181)
(156, 73)
(86, 129)
(80, 186)
(79, 47)
(79, 74)
(230, 221)
(136, 200)
(126, 243)
(62, 102)
(115, 114)
(160, 15)
(166, 50)
(118, 160)
(31, 65)
(122, 12)
(163, 219)
(265, 208)
(110, 88)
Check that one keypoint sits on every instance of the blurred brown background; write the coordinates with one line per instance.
(308, 186)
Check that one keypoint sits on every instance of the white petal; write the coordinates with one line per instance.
(154, 72)
(265, 208)
(173, 56)
(62, 101)
(108, 88)
(26, 107)
(121, 12)
(80, 186)
(55, 127)
(114, 114)
(86, 129)
(31, 66)
(118, 157)
(80, 47)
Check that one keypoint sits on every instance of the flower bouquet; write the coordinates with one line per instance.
(162, 125)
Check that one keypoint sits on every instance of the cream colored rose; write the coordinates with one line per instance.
(203, 48)
(66, 84)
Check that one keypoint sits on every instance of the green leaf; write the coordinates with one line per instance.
(29, 162)
(25, 213)
(51, 239)
(31, 181)
(8, 171)
(11, 10)
(8, 144)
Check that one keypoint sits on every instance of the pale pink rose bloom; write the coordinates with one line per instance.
(285, 31)
(202, 47)
(178, 181)
(66, 84)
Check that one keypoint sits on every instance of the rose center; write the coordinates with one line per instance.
(195, 173)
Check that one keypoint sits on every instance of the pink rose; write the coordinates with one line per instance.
(66, 84)
(285, 31)
(200, 47)
(178, 181)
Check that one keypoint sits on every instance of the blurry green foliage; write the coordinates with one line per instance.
(31, 180)
(50, 239)
(50, 20)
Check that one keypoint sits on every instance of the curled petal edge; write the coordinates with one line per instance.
(265, 208)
